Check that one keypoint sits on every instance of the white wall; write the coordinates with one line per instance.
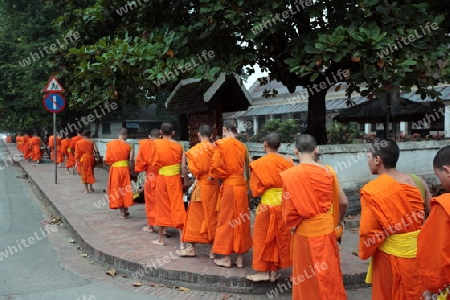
(350, 160)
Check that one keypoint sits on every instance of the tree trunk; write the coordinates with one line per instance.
(317, 116)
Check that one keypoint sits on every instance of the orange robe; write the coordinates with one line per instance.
(433, 247)
(201, 221)
(271, 237)
(233, 227)
(65, 145)
(19, 143)
(142, 163)
(26, 147)
(35, 145)
(59, 154)
(73, 143)
(120, 192)
(387, 208)
(170, 210)
(307, 196)
(85, 155)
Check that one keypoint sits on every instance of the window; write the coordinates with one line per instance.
(106, 128)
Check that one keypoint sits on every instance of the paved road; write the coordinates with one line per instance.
(37, 262)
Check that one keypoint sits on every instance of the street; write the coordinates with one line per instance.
(37, 261)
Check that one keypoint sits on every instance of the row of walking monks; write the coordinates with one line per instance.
(300, 218)
(33, 148)
(301, 215)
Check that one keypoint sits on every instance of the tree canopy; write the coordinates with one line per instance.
(130, 51)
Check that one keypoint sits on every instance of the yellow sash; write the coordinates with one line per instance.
(120, 163)
(170, 170)
(442, 296)
(69, 149)
(272, 197)
(402, 245)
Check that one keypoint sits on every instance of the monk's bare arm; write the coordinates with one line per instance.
(343, 205)
(184, 171)
(428, 197)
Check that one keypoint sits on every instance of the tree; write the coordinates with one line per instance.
(132, 50)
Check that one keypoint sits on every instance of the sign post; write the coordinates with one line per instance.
(54, 103)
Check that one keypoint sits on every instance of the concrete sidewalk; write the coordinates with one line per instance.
(122, 243)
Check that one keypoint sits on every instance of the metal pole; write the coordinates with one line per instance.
(54, 146)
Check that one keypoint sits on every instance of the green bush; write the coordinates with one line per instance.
(287, 130)
(340, 133)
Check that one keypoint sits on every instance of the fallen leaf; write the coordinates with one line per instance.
(84, 255)
(92, 261)
(183, 289)
(79, 248)
(226, 296)
(353, 230)
(71, 240)
(137, 284)
(356, 252)
(124, 276)
(111, 272)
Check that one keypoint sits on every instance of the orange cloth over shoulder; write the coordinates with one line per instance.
(85, 155)
(120, 192)
(307, 196)
(271, 237)
(170, 210)
(65, 145)
(142, 163)
(389, 207)
(59, 154)
(201, 221)
(433, 247)
(73, 143)
(35, 145)
(233, 227)
(19, 143)
(26, 147)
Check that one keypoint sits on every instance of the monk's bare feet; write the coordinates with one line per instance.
(91, 190)
(188, 252)
(261, 276)
(274, 275)
(211, 254)
(148, 229)
(223, 262)
(240, 261)
(158, 242)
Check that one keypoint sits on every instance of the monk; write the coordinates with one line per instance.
(233, 227)
(118, 154)
(85, 154)
(271, 237)
(306, 208)
(35, 145)
(201, 221)
(65, 146)
(73, 144)
(143, 157)
(170, 160)
(433, 261)
(19, 142)
(51, 144)
(392, 214)
(26, 147)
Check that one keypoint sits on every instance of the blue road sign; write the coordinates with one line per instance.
(54, 103)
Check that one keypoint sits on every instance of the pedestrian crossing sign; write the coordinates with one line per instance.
(54, 86)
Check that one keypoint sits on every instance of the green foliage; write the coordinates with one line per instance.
(340, 133)
(287, 130)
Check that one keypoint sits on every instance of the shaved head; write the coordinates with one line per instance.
(387, 150)
(86, 133)
(442, 158)
(306, 143)
(205, 130)
(167, 128)
(154, 133)
(230, 125)
(273, 140)
(123, 132)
